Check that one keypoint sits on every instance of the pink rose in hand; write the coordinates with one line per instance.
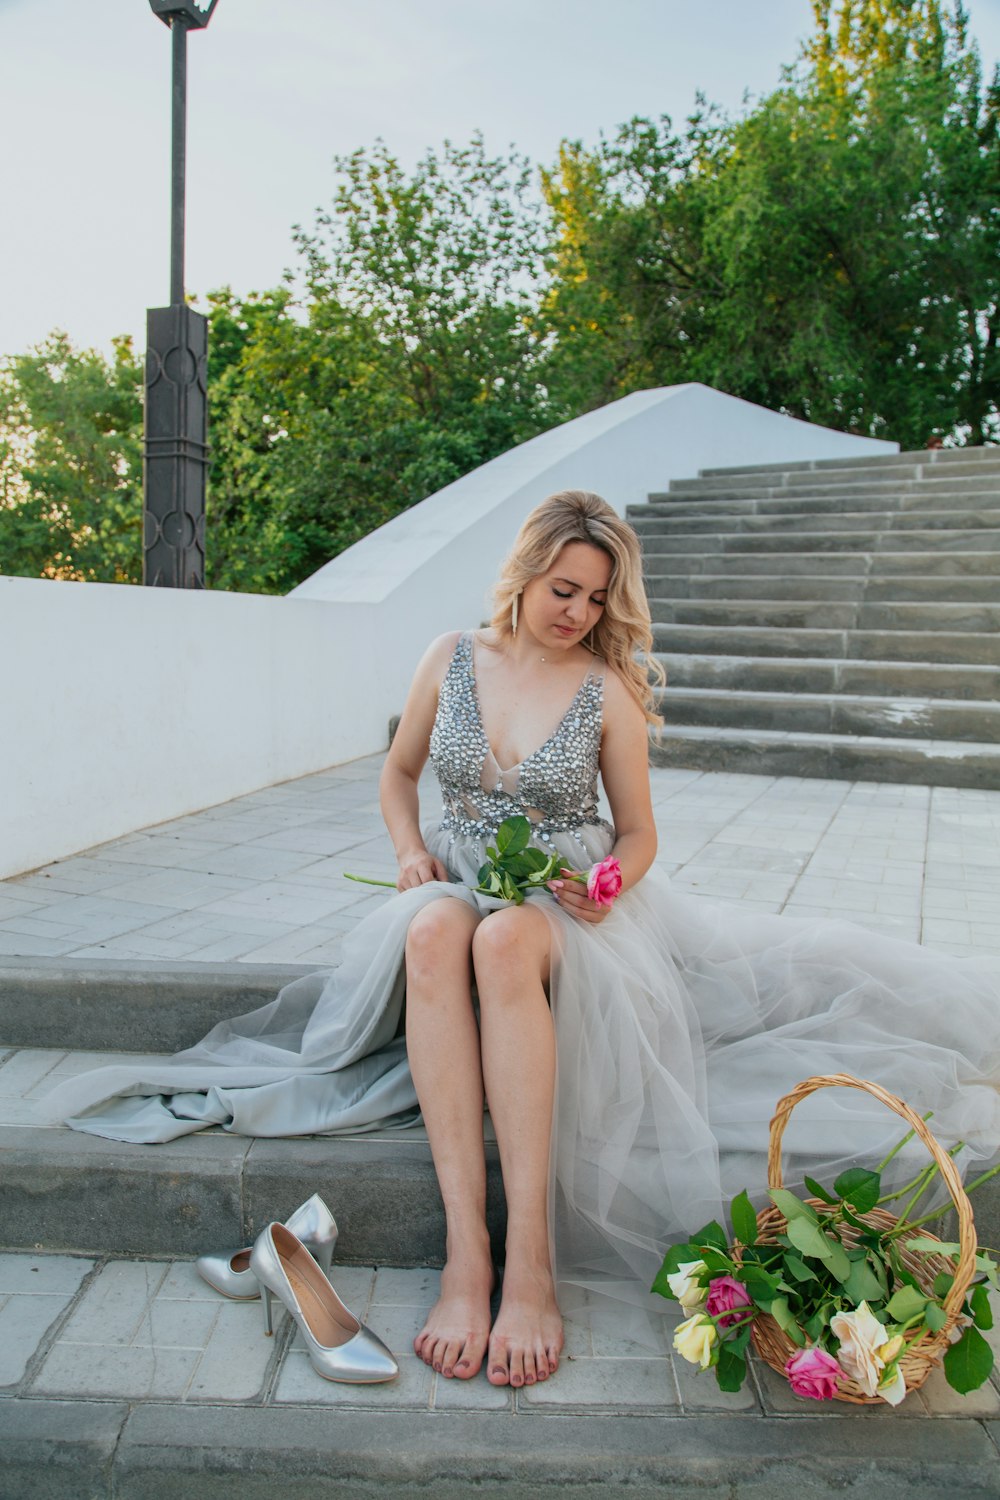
(813, 1373)
(604, 883)
(727, 1296)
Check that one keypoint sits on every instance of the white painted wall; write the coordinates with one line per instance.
(123, 707)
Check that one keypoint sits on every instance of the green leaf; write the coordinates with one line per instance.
(968, 1363)
(943, 1283)
(935, 1317)
(793, 1207)
(744, 1219)
(860, 1187)
(512, 836)
(905, 1304)
(862, 1285)
(731, 1370)
(809, 1238)
(711, 1233)
(979, 1302)
(819, 1191)
(836, 1259)
(798, 1269)
(785, 1319)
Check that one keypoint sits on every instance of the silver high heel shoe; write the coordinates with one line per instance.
(312, 1223)
(339, 1347)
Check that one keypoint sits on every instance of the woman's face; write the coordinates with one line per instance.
(563, 605)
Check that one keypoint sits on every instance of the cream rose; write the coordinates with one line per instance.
(695, 1339)
(685, 1285)
(860, 1335)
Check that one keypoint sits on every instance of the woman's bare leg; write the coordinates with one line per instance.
(511, 952)
(442, 1041)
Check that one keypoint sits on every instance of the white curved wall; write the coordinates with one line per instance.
(123, 707)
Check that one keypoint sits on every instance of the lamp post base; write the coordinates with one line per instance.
(176, 448)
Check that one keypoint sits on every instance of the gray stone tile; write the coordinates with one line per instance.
(470, 1395)
(42, 1275)
(237, 1358)
(172, 1324)
(940, 1400)
(621, 1385)
(115, 1303)
(101, 1369)
(24, 1321)
(397, 1326)
(699, 1391)
(406, 1288)
(25, 1069)
(299, 1384)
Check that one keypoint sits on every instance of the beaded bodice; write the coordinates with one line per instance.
(555, 786)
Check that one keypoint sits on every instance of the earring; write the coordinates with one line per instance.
(513, 615)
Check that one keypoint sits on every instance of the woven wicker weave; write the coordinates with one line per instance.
(924, 1353)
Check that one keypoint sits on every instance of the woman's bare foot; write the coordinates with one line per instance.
(453, 1340)
(527, 1336)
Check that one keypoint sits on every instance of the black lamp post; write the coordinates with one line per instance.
(176, 447)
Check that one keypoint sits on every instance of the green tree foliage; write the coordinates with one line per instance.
(71, 463)
(832, 253)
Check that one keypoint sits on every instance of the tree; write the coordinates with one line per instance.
(832, 253)
(71, 463)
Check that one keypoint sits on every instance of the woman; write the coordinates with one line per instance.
(676, 1023)
(575, 568)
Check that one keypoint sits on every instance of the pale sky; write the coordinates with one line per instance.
(278, 87)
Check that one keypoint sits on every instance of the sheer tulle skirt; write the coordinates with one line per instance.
(679, 1023)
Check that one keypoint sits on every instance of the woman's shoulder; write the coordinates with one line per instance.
(619, 698)
(436, 659)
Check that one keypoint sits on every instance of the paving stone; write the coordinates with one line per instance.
(24, 1321)
(59, 1450)
(42, 1275)
(606, 1385)
(112, 1369)
(298, 1383)
(238, 1357)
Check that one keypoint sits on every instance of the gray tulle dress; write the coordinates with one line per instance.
(679, 1023)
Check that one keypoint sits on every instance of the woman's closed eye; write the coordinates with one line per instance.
(560, 595)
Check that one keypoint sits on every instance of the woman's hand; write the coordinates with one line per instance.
(572, 897)
(418, 868)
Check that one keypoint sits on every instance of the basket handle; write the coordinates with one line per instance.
(965, 1269)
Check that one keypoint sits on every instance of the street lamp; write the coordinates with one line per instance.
(176, 447)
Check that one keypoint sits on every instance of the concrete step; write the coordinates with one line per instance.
(839, 757)
(826, 614)
(778, 674)
(960, 647)
(887, 523)
(982, 477)
(840, 714)
(947, 590)
(943, 460)
(660, 556)
(970, 539)
(832, 503)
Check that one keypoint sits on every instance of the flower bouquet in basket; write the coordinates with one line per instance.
(843, 1298)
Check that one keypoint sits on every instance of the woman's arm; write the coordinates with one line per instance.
(406, 759)
(625, 773)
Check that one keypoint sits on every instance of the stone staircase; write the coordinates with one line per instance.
(831, 619)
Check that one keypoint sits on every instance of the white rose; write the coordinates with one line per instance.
(860, 1334)
(685, 1286)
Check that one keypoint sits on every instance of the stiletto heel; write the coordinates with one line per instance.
(312, 1223)
(339, 1347)
(266, 1300)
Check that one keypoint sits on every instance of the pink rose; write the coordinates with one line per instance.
(813, 1373)
(727, 1295)
(604, 883)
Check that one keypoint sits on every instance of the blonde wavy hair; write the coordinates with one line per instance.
(623, 635)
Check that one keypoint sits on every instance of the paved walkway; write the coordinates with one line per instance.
(158, 1365)
(260, 879)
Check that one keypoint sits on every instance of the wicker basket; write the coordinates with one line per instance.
(924, 1353)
